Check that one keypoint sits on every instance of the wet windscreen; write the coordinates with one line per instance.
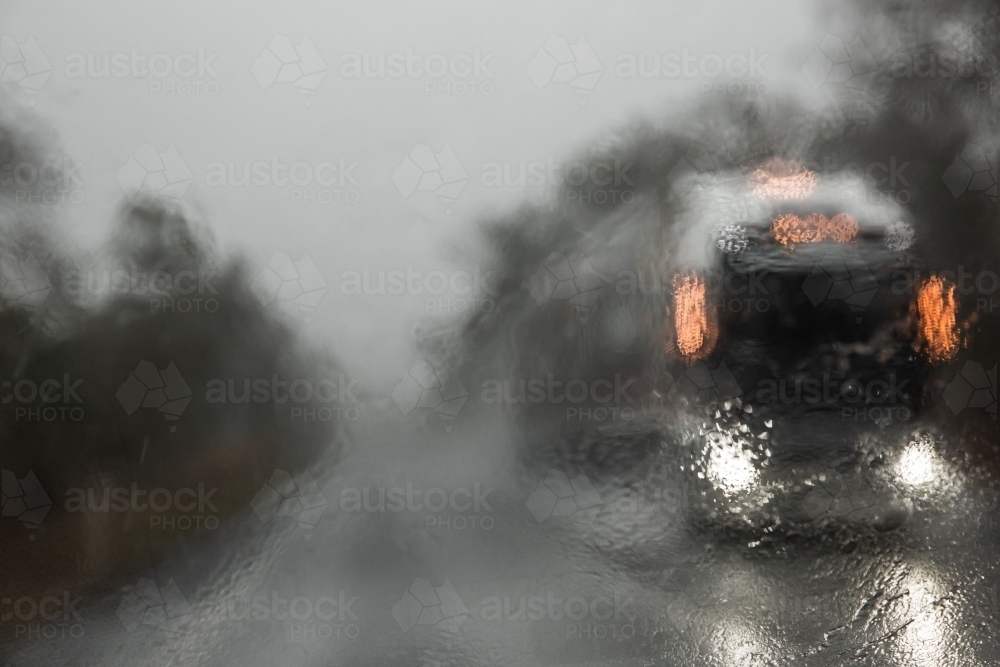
(463, 334)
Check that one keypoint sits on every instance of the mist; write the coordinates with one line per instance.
(499, 335)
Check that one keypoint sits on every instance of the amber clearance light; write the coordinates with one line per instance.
(779, 179)
(937, 315)
(692, 321)
(789, 228)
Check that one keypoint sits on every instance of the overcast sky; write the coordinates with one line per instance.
(217, 97)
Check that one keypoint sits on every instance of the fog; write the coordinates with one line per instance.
(393, 244)
(371, 122)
